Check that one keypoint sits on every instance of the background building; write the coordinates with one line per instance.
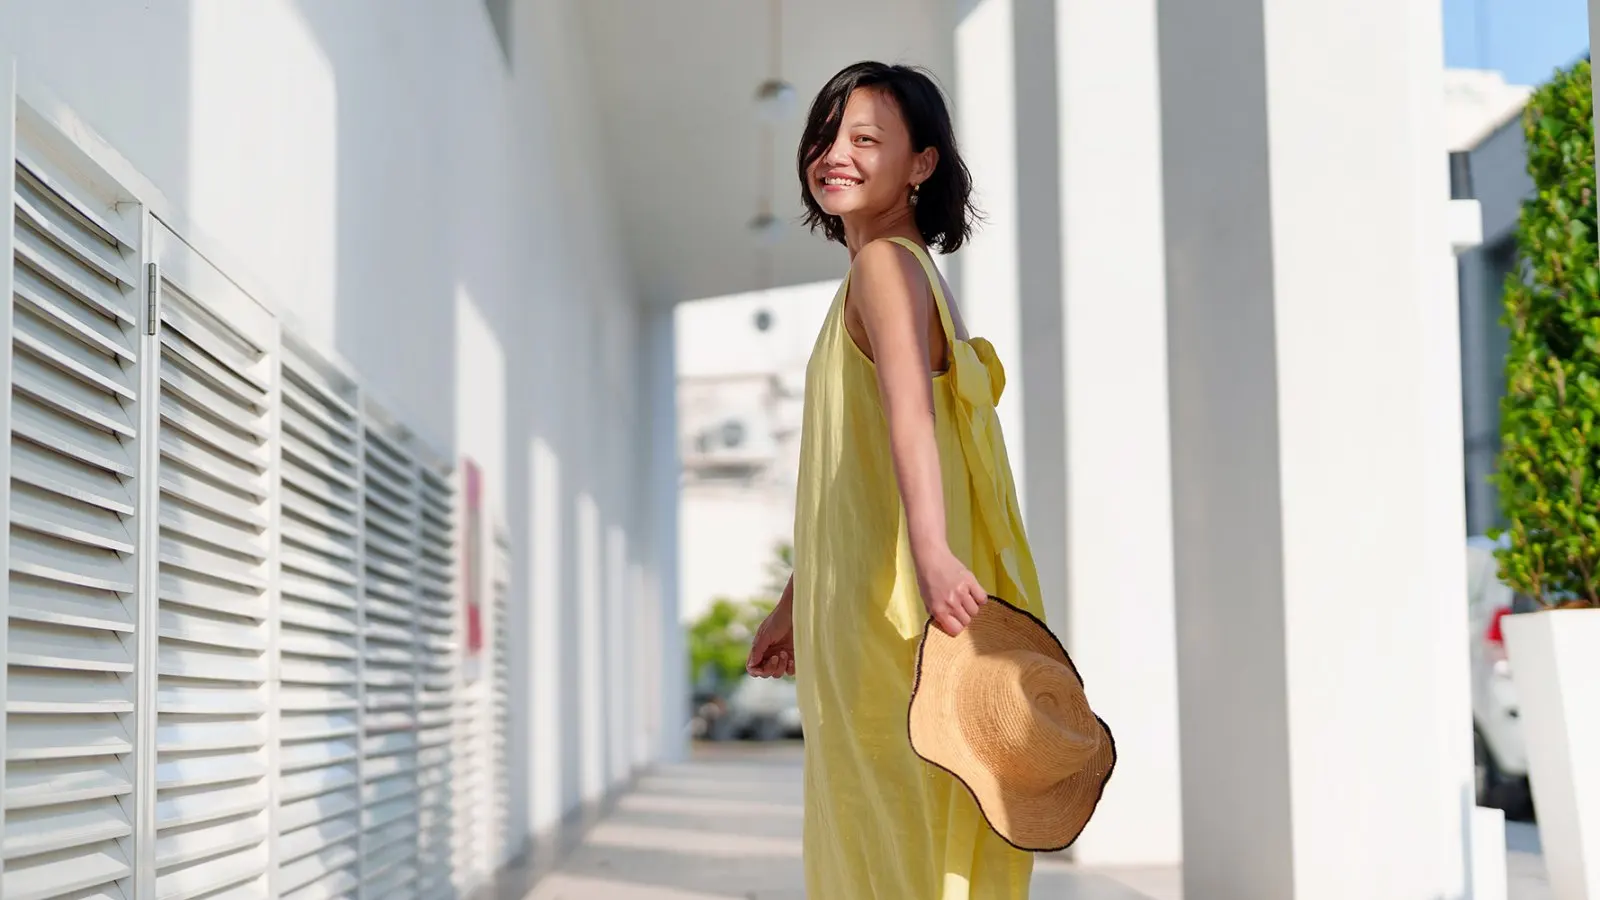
(741, 376)
(1488, 141)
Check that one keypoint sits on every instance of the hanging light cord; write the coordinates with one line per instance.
(765, 147)
(775, 36)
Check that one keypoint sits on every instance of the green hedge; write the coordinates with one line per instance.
(1549, 467)
(719, 640)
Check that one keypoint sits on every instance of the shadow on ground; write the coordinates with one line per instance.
(727, 826)
(724, 826)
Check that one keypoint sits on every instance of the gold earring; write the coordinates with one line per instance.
(914, 189)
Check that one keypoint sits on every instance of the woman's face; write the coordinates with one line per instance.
(870, 167)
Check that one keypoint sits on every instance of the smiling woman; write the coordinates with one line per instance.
(871, 103)
(906, 515)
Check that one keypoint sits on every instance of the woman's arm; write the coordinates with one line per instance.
(894, 311)
(892, 300)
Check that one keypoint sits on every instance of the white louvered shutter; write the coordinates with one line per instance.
(319, 696)
(437, 655)
(216, 397)
(70, 689)
(392, 508)
(471, 795)
(473, 777)
(500, 818)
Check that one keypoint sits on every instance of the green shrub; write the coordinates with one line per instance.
(1549, 467)
(719, 640)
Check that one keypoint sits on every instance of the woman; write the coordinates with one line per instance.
(906, 509)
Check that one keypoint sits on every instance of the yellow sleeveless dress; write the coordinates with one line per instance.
(881, 824)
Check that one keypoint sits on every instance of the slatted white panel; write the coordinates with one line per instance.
(319, 696)
(474, 773)
(71, 644)
(472, 777)
(392, 506)
(499, 836)
(217, 424)
(437, 630)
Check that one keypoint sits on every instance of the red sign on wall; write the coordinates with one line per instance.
(472, 569)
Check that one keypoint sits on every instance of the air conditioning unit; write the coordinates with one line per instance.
(743, 438)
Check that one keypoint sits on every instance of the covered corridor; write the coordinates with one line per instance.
(343, 461)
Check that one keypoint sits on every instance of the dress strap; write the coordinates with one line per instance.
(939, 299)
(979, 379)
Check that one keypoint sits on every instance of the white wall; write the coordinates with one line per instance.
(717, 336)
(377, 174)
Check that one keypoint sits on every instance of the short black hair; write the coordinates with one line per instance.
(944, 210)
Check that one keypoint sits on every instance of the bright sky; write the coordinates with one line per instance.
(1525, 39)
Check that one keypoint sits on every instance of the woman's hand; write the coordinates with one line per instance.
(772, 651)
(950, 592)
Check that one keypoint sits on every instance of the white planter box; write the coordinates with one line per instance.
(1555, 663)
(1489, 880)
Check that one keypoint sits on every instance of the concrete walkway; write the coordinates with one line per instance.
(726, 826)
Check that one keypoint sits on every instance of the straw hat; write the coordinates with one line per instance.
(1001, 707)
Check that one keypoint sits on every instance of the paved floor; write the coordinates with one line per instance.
(726, 826)
(1525, 872)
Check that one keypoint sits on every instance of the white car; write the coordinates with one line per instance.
(1499, 753)
(762, 709)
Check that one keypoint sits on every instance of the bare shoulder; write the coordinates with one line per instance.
(889, 275)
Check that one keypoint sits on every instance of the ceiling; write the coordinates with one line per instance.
(675, 80)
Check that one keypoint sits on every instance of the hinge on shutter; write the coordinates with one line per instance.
(152, 289)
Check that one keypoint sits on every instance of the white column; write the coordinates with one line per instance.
(985, 106)
(1070, 268)
(661, 511)
(1119, 499)
(1306, 256)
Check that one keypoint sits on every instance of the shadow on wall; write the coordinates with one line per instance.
(406, 151)
(389, 177)
(453, 165)
(155, 137)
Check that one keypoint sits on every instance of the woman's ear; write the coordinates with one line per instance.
(925, 163)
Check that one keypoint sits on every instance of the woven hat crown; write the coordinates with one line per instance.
(1023, 715)
(1001, 707)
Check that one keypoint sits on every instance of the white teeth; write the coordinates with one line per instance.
(840, 182)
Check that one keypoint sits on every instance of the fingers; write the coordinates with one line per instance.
(964, 604)
(758, 655)
(773, 665)
(953, 617)
(948, 624)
